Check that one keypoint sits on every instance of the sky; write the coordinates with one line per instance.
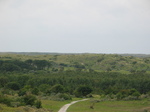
(75, 26)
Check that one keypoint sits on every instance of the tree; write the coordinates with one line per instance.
(3, 81)
(44, 87)
(13, 85)
(82, 91)
(57, 89)
(38, 104)
(29, 99)
(10, 67)
(35, 91)
(41, 64)
(24, 90)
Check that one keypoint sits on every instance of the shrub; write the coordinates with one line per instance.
(5, 100)
(44, 87)
(13, 85)
(82, 91)
(56, 89)
(29, 100)
(22, 92)
(65, 96)
(38, 104)
(128, 94)
(136, 94)
(35, 91)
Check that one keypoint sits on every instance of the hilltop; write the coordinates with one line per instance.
(97, 62)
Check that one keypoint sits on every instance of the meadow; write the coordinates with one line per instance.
(84, 106)
(111, 106)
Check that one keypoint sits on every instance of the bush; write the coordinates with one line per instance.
(38, 104)
(35, 91)
(13, 85)
(65, 96)
(22, 92)
(44, 87)
(136, 94)
(5, 100)
(29, 100)
(82, 91)
(129, 94)
(56, 89)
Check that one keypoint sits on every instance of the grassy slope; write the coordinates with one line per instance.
(98, 62)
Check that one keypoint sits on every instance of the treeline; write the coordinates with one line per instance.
(34, 65)
(64, 85)
(18, 65)
(37, 73)
(100, 82)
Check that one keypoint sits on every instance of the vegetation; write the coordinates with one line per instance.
(111, 106)
(34, 78)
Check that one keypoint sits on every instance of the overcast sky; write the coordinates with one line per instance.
(75, 26)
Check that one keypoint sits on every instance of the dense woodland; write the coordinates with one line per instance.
(68, 75)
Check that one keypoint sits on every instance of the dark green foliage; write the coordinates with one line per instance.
(3, 81)
(122, 94)
(41, 64)
(136, 94)
(128, 92)
(17, 65)
(82, 91)
(13, 85)
(38, 104)
(5, 100)
(44, 87)
(22, 92)
(65, 96)
(29, 99)
(10, 67)
(56, 89)
(35, 91)
(22, 80)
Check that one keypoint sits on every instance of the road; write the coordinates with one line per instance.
(65, 107)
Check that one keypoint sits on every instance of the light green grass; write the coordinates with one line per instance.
(56, 105)
(111, 106)
(4, 108)
(53, 105)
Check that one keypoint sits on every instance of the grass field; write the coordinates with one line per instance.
(84, 106)
(53, 105)
(50, 105)
(111, 106)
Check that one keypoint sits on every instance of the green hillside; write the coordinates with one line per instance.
(33, 78)
(98, 62)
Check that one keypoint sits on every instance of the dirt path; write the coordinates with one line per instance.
(65, 107)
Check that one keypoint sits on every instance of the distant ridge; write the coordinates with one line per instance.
(41, 53)
(55, 53)
(137, 55)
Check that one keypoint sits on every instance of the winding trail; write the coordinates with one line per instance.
(65, 107)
